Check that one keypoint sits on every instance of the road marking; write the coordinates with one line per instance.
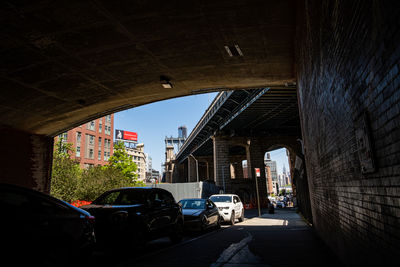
(238, 254)
(228, 253)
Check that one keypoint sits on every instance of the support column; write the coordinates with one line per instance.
(221, 163)
(27, 161)
(210, 169)
(238, 170)
(249, 173)
(178, 174)
(192, 170)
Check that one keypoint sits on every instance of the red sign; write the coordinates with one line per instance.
(257, 172)
(130, 136)
(125, 135)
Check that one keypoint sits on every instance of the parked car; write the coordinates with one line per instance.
(280, 204)
(199, 214)
(230, 207)
(39, 229)
(136, 215)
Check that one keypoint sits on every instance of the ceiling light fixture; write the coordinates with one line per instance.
(234, 51)
(165, 82)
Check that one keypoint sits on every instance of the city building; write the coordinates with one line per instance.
(149, 163)
(286, 176)
(274, 175)
(270, 187)
(152, 176)
(91, 142)
(139, 157)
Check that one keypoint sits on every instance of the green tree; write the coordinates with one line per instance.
(121, 161)
(65, 172)
(70, 183)
(97, 180)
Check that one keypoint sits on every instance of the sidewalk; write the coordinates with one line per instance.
(280, 239)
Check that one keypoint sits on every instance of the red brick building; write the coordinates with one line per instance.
(92, 141)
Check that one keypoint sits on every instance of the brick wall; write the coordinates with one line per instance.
(348, 56)
(26, 159)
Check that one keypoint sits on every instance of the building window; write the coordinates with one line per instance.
(78, 151)
(100, 125)
(91, 139)
(89, 146)
(107, 130)
(63, 137)
(91, 125)
(99, 155)
(78, 138)
(107, 143)
(108, 118)
(106, 156)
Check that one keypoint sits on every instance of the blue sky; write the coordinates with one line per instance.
(154, 121)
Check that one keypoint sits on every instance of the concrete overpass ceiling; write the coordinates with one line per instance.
(66, 62)
(276, 111)
(256, 112)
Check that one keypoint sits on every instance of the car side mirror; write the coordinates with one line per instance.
(209, 207)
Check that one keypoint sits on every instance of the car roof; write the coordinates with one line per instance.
(135, 188)
(226, 195)
(41, 195)
(192, 199)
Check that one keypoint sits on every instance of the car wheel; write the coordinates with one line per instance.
(241, 218)
(177, 232)
(232, 220)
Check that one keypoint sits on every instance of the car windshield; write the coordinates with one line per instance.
(197, 204)
(227, 199)
(124, 197)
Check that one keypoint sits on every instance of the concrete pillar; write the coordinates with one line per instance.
(238, 170)
(221, 163)
(178, 175)
(207, 171)
(256, 151)
(192, 169)
(257, 158)
(27, 159)
(210, 169)
(249, 173)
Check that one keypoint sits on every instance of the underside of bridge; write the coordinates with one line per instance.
(66, 62)
(239, 126)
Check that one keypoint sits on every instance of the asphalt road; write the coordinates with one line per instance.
(280, 239)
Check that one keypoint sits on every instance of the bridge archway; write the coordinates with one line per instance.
(58, 72)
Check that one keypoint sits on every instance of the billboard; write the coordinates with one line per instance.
(125, 135)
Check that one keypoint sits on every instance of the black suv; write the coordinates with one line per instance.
(136, 215)
(39, 230)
